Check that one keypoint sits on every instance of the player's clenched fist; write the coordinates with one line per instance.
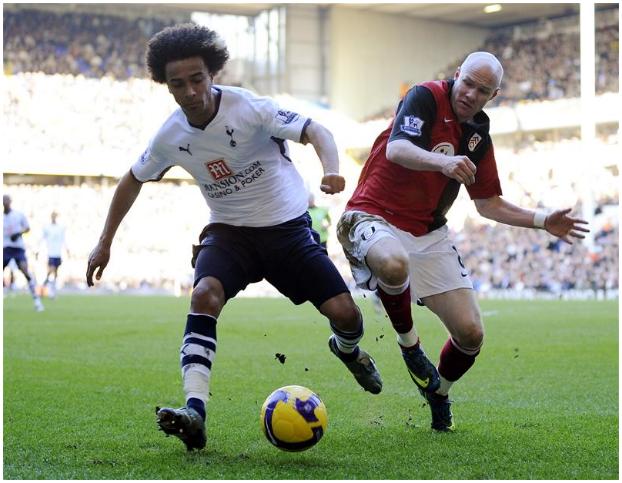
(333, 183)
(460, 168)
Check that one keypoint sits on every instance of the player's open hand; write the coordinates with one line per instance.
(333, 183)
(563, 226)
(460, 168)
(98, 259)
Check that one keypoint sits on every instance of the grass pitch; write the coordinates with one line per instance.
(82, 379)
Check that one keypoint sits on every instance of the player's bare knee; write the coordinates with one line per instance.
(208, 297)
(476, 336)
(472, 337)
(393, 269)
(342, 312)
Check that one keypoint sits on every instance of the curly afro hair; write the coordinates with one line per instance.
(182, 42)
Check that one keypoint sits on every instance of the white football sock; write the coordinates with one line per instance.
(408, 339)
(443, 390)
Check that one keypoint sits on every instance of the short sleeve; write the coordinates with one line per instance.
(24, 222)
(150, 166)
(414, 117)
(279, 122)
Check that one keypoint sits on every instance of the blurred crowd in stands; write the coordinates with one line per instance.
(104, 118)
(544, 65)
(152, 248)
(77, 43)
(528, 261)
(549, 68)
(79, 95)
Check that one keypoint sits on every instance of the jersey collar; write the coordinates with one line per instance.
(218, 97)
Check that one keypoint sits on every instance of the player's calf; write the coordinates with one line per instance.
(454, 362)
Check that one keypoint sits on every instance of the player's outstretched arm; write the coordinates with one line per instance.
(123, 199)
(557, 223)
(326, 149)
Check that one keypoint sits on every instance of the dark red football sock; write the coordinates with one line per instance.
(398, 309)
(453, 362)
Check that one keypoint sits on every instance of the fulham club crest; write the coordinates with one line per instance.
(474, 141)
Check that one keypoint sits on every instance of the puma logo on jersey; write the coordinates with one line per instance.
(187, 149)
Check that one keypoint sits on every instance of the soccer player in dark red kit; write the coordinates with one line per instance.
(394, 231)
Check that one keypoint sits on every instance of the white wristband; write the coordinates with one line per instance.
(539, 218)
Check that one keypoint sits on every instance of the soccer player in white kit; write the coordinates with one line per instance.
(54, 238)
(234, 145)
(15, 225)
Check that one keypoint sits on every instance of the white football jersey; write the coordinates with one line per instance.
(240, 160)
(54, 237)
(14, 222)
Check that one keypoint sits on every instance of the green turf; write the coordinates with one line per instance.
(81, 381)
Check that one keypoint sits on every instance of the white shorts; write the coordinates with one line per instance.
(435, 264)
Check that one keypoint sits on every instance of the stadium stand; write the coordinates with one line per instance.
(70, 129)
(77, 43)
(541, 61)
(63, 154)
(145, 255)
(509, 261)
(520, 263)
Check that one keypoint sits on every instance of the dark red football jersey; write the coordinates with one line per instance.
(417, 201)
